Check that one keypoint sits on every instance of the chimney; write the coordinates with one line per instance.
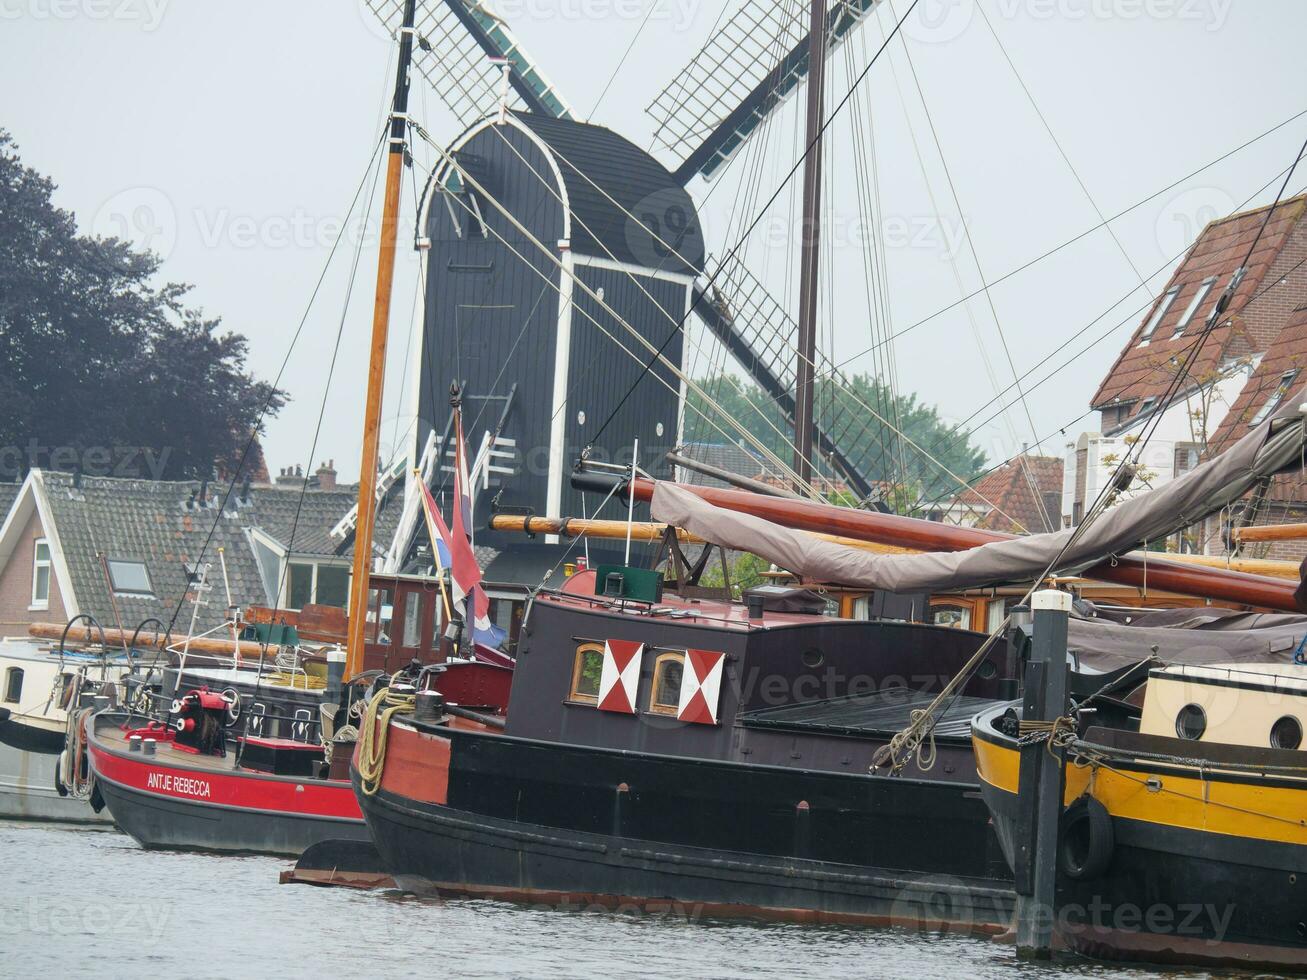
(289, 478)
(327, 475)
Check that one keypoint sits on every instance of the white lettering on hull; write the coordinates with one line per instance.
(180, 785)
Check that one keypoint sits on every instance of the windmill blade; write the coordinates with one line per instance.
(739, 77)
(456, 41)
(762, 337)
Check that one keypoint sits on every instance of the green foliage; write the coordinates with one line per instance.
(746, 572)
(876, 448)
(104, 370)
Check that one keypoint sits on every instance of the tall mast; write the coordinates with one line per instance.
(809, 255)
(367, 506)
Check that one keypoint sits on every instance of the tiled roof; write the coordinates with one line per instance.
(8, 494)
(723, 455)
(155, 522)
(1148, 370)
(1288, 354)
(1011, 502)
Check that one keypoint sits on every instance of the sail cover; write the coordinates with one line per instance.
(1274, 446)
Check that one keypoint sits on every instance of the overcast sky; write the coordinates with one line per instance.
(231, 136)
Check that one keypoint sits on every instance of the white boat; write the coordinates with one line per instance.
(39, 683)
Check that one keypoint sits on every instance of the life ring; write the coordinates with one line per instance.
(1086, 841)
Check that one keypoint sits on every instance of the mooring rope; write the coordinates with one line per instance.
(372, 743)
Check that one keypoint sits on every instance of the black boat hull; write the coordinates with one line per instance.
(541, 823)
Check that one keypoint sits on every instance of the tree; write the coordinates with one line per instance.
(913, 474)
(103, 370)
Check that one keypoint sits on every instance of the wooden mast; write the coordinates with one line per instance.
(367, 504)
(809, 254)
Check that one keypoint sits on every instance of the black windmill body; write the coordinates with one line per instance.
(505, 320)
(525, 329)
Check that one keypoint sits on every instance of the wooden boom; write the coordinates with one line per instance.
(919, 535)
(1272, 532)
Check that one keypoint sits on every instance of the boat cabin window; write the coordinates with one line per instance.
(955, 617)
(129, 577)
(13, 685)
(413, 602)
(40, 575)
(1191, 722)
(1286, 733)
(586, 672)
(665, 692)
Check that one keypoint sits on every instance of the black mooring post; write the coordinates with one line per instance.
(1041, 797)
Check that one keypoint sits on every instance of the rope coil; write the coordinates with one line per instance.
(372, 742)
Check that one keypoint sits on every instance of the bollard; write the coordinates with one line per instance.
(134, 743)
(429, 707)
(149, 745)
(1040, 786)
(335, 673)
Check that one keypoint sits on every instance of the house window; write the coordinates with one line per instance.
(1147, 405)
(41, 574)
(1200, 294)
(129, 577)
(13, 685)
(1277, 396)
(665, 692)
(586, 671)
(1162, 307)
(311, 583)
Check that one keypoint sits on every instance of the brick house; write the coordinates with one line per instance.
(1023, 496)
(125, 550)
(1230, 379)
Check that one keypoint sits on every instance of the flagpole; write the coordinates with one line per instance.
(630, 502)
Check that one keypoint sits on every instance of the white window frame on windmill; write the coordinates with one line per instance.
(41, 582)
(1200, 294)
(1286, 382)
(1163, 307)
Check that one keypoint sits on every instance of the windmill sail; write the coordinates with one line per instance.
(762, 337)
(456, 40)
(738, 78)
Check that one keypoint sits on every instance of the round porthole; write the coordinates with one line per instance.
(580, 417)
(658, 430)
(812, 659)
(1286, 733)
(987, 671)
(1191, 722)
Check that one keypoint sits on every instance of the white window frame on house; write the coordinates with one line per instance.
(1163, 307)
(316, 564)
(40, 602)
(125, 589)
(1200, 294)
(1277, 396)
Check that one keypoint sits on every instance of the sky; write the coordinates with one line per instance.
(232, 137)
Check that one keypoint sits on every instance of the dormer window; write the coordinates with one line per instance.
(1147, 405)
(1277, 396)
(1200, 294)
(129, 578)
(1162, 307)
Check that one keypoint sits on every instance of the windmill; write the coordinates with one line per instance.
(709, 111)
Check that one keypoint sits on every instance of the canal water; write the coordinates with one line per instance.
(80, 902)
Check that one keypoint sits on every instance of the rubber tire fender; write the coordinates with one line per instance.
(1086, 840)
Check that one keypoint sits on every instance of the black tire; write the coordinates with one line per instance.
(1086, 841)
